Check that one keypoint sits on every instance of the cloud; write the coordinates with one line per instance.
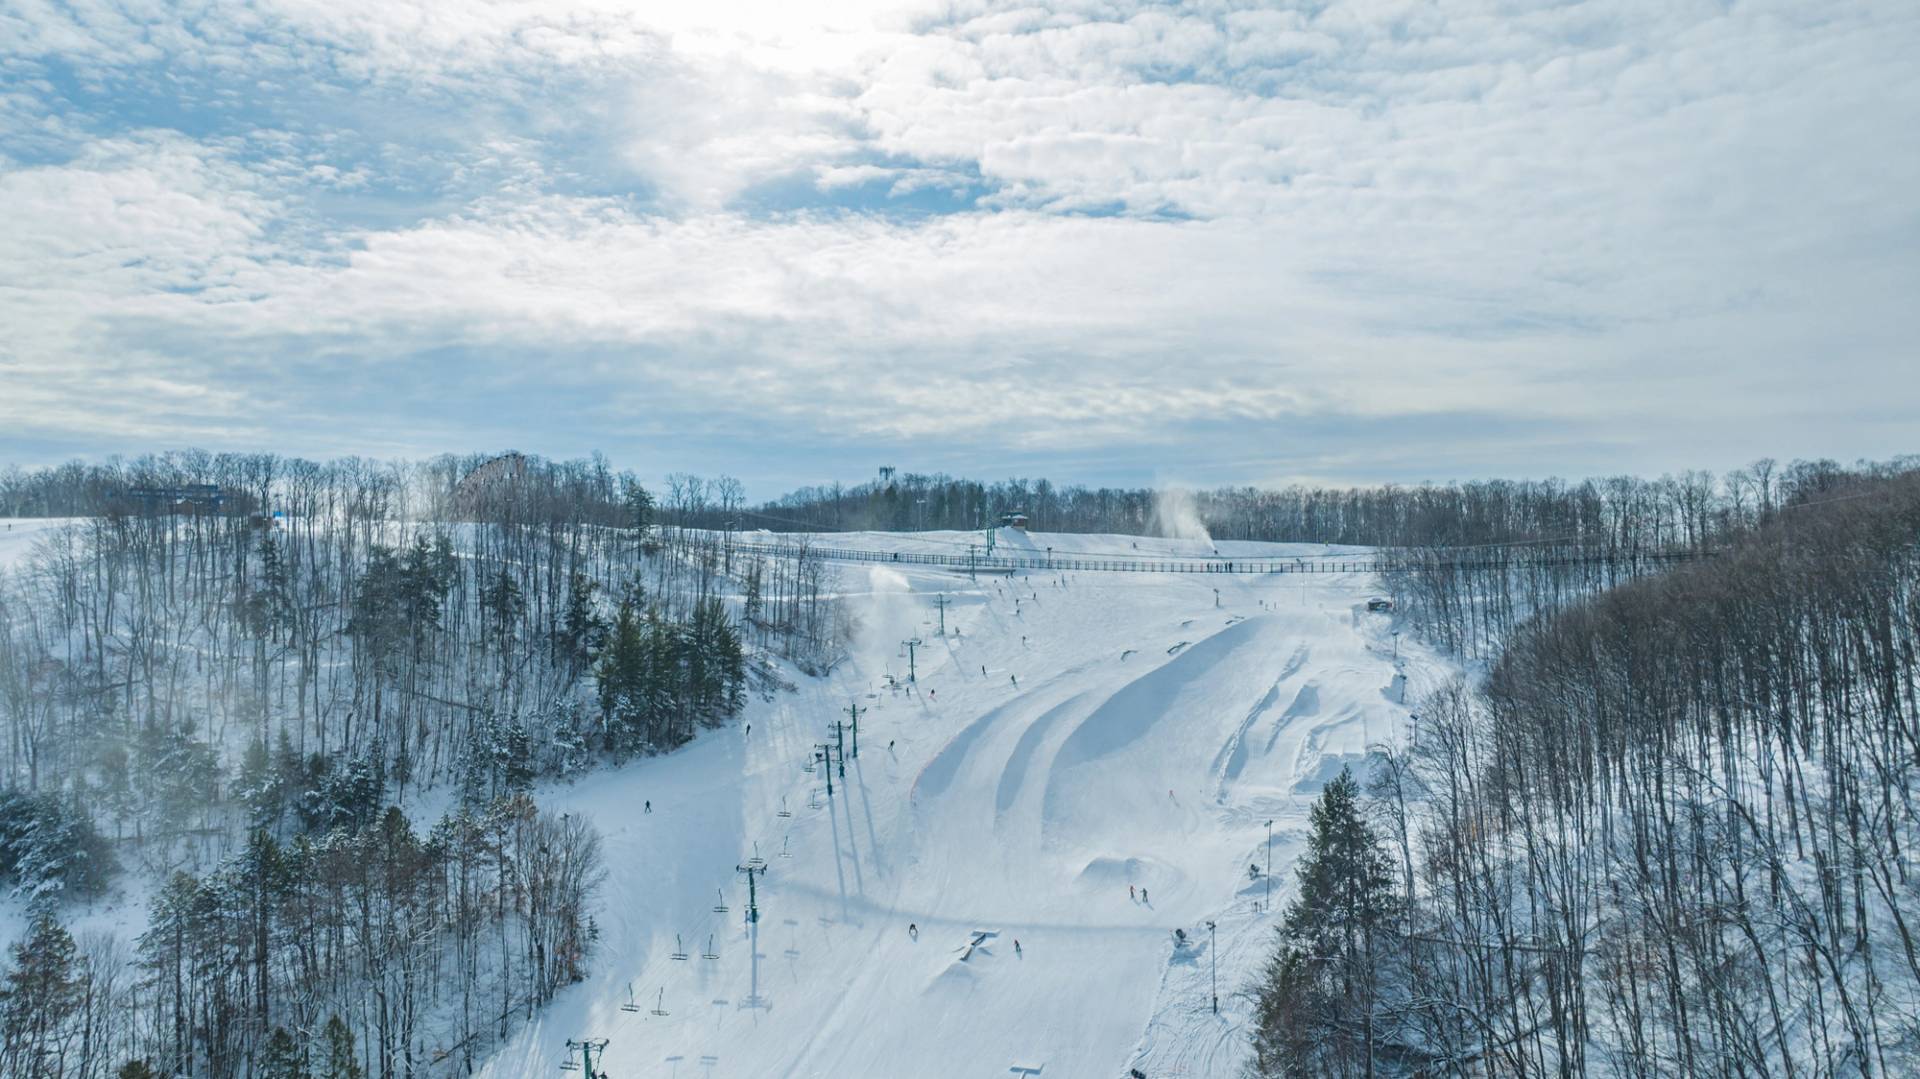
(1572, 237)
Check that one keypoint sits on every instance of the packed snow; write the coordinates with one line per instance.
(1070, 740)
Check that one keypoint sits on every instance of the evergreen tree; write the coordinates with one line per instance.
(504, 606)
(582, 630)
(341, 1063)
(39, 996)
(1316, 1001)
(623, 675)
(283, 1058)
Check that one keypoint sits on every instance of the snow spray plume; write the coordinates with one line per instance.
(1176, 517)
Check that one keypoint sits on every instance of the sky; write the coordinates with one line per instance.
(1108, 242)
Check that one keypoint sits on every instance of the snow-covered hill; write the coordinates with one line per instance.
(1068, 737)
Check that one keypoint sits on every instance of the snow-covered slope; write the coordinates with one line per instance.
(1068, 737)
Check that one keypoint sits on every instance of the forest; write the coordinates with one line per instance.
(1660, 827)
(1668, 833)
(312, 708)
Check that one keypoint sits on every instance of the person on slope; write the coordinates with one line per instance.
(1016, 945)
(1132, 897)
(648, 807)
(913, 931)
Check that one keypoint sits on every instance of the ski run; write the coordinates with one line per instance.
(1069, 738)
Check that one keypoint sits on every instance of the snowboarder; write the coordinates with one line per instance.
(647, 807)
(913, 931)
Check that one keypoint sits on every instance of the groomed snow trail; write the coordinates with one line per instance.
(1149, 738)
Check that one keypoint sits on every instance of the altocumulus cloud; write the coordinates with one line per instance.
(1348, 240)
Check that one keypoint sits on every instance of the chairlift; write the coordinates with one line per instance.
(630, 1005)
(784, 811)
(720, 907)
(709, 953)
(784, 852)
(660, 1003)
(679, 951)
(756, 861)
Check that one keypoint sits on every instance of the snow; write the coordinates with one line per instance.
(19, 535)
(1020, 811)
(1150, 737)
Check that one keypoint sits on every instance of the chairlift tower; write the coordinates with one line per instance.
(589, 1050)
(910, 644)
(753, 894)
(853, 712)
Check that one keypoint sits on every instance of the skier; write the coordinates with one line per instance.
(933, 694)
(1132, 897)
(749, 728)
(1016, 945)
(889, 745)
(1016, 681)
(913, 931)
(648, 807)
(983, 670)
(1143, 895)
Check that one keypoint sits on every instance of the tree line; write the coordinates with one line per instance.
(1670, 833)
(353, 952)
(242, 699)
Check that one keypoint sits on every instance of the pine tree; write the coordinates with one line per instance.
(341, 1063)
(283, 1058)
(41, 992)
(623, 676)
(1315, 1005)
(582, 630)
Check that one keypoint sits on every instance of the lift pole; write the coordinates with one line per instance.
(589, 1049)
(853, 711)
(911, 644)
(753, 895)
(1213, 956)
